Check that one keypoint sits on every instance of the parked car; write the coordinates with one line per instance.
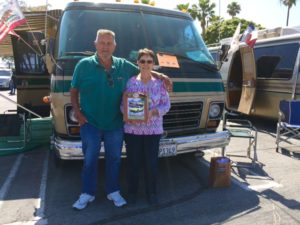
(5, 77)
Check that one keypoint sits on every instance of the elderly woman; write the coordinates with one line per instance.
(142, 138)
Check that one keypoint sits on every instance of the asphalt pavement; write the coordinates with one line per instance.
(35, 190)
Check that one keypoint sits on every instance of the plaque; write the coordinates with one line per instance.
(135, 107)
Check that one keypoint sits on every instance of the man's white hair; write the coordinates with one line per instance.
(103, 32)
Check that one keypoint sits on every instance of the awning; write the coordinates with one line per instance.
(36, 21)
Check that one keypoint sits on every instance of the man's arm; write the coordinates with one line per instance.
(167, 81)
(75, 103)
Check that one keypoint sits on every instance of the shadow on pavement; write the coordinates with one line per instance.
(184, 195)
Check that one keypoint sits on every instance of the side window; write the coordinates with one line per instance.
(276, 62)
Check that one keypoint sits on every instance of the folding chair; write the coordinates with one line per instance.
(241, 128)
(288, 126)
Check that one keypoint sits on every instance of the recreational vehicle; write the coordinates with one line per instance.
(257, 79)
(197, 100)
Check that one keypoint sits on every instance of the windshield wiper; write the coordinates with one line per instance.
(85, 53)
(210, 67)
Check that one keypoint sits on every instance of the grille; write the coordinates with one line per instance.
(183, 115)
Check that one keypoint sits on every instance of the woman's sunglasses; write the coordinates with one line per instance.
(142, 61)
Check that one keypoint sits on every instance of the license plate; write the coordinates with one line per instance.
(166, 150)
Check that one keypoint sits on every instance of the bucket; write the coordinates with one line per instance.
(220, 172)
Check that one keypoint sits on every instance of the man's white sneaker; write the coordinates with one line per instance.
(83, 201)
(117, 198)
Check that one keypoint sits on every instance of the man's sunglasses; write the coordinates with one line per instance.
(142, 61)
(109, 79)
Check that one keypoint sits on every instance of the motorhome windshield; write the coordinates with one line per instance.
(167, 34)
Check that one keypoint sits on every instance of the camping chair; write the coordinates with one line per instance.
(12, 131)
(241, 128)
(288, 126)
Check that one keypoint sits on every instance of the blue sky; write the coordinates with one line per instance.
(268, 13)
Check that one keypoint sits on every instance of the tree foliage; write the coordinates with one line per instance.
(289, 4)
(233, 9)
(204, 11)
(183, 7)
(226, 28)
(147, 2)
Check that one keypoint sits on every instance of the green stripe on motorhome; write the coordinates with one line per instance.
(198, 87)
(64, 86)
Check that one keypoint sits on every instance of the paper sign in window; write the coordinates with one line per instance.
(166, 60)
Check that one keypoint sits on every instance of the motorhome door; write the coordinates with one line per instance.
(33, 82)
(249, 80)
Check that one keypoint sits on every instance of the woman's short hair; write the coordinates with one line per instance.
(146, 51)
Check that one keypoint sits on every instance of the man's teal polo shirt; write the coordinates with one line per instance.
(99, 101)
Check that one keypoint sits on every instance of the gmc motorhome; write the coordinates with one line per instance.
(198, 92)
(257, 79)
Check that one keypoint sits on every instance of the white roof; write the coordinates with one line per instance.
(269, 33)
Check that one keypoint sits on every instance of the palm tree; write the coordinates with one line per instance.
(204, 11)
(289, 4)
(233, 9)
(183, 7)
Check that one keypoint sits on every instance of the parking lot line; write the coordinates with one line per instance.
(9, 179)
(42, 194)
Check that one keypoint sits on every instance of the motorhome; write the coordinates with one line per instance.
(257, 79)
(197, 100)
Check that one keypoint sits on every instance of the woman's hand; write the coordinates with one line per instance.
(152, 113)
(133, 122)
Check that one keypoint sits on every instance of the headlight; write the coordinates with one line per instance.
(72, 116)
(214, 111)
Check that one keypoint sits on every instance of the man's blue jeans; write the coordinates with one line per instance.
(91, 144)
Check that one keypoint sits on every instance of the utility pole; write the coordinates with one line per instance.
(220, 20)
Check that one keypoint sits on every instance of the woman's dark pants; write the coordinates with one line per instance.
(142, 151)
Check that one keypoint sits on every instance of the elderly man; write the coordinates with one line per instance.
(98, 82)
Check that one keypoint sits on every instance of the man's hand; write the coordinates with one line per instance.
(81, 118)
(167, 81)
(75, 104)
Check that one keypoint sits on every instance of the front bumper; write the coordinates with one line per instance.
(70, 150)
